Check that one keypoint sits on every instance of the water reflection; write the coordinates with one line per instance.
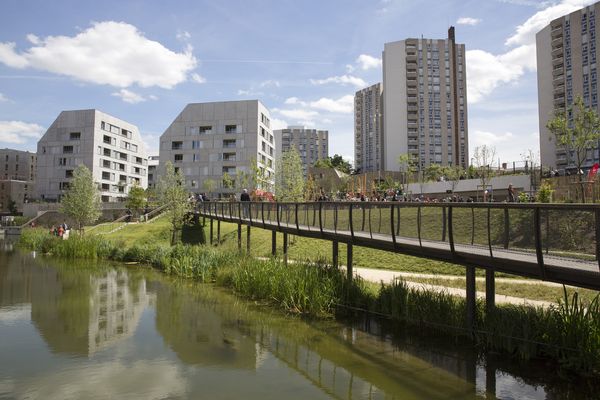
(104, 331)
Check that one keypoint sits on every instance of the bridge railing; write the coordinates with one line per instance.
(552, 234)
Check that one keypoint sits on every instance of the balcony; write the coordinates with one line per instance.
(556, 41)
(558, 71)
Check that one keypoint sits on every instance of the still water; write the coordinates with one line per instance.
(81, 331)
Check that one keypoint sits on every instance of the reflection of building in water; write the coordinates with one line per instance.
(81, 313)
(199, 332)
(116, 305)
(15, 279)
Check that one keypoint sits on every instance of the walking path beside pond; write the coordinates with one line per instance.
(386, 276)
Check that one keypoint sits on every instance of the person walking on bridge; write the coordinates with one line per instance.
(245, 197)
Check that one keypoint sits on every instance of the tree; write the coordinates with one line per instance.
(228, 181)
(12, 207)
(453, 173)
(82, 202)
(209, 185)
(484, 157)
(289, 181)
(336, 162)
(136, 199)
(310, 189)
(433, 172)
(174, 197)
(408, 168)
(578, 131)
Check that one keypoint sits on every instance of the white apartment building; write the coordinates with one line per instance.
(368, 129)
(17, 178)
(566, 68)
(111, 148)
(425, 102)
(312, 144)
(207, 140)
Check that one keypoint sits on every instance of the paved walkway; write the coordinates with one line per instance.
(378, 275)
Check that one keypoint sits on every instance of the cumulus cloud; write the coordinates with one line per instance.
(19, 132)
(342, 80)
(479, 138)
(107, 53)
(278, 123)
(294, 101)
(3, 97)
(486, 71)
(468, 21)
(343, 105)
(131, 97)
(269, 83)
(366, 62)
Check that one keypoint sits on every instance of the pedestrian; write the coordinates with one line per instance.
(512, 197)
(245, 198)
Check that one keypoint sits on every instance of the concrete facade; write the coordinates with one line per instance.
(368, 129)
(312, 144)
(17, 178)
(153, 162)
(109, 147)
(567, 68)
(207, 140)
(425, 102)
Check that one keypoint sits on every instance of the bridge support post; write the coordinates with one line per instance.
(285, 248)
(239, 234)
(248, 239)
(211, 231)
(471, 296)
(349, 261)
(218, 232)
(273, 243)
(490, 290)
(335, 254)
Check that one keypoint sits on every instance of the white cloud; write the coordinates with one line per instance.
(242, 92)
(131, 97)
(295, 101)
(3, 97)
(479, 138)
(19, 131)
(366, 62)
(297, 113)
(108, 53)
(278, 124)
(350, 68)
(343, 105)
(183, 35)
(486, 71)
(468, 21)
(197, 78)
(525, 33)
(269, 83)
(343, 80)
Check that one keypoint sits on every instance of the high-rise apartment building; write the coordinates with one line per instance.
(110, 148)
(207, 140)
(566, 68)
(17, 178)
(368, 129)
(425, 102)
(312, 144)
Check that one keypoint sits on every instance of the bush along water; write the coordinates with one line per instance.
(568, 333)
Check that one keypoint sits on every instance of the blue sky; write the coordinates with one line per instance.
(143, 61)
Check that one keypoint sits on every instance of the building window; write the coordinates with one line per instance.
(178, 157)
(67, 149)
(176, 145)
(230, 128)
(229, 144)
(205, 130)
(75, 135)
(69, 173)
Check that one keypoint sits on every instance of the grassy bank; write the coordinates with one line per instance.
(568, 333)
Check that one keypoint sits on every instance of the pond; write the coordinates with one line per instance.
(72, 330)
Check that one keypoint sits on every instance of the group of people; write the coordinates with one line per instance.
(60, 230)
